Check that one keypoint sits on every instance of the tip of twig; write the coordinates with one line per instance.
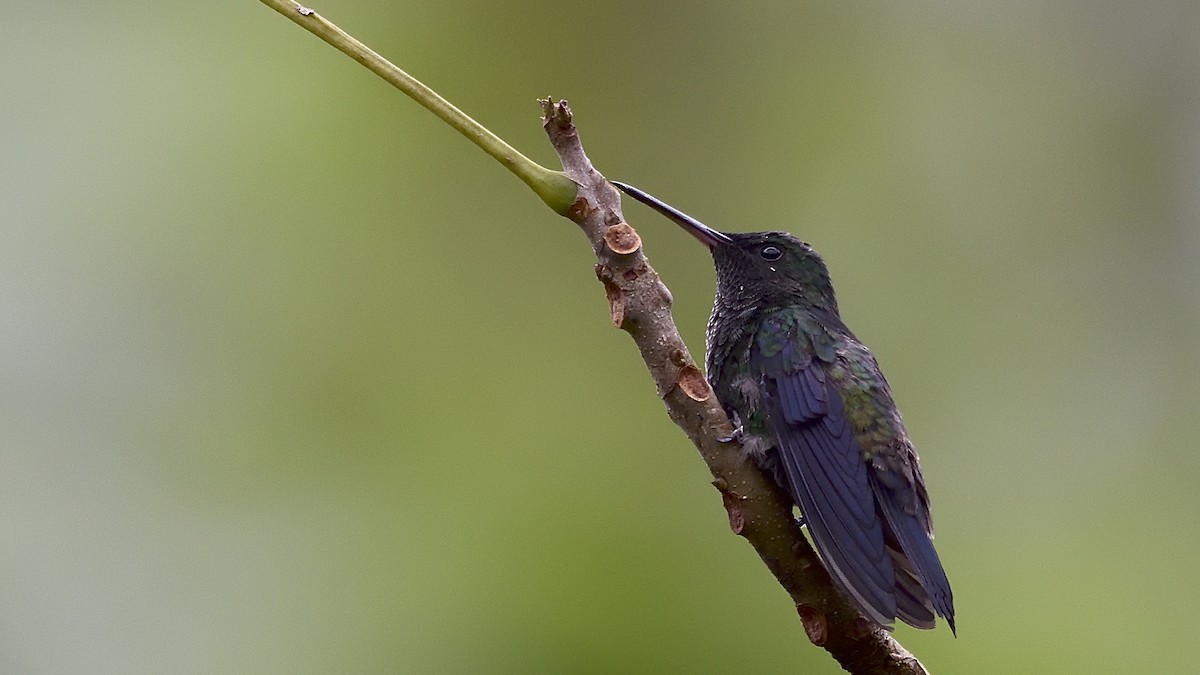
(558, 112)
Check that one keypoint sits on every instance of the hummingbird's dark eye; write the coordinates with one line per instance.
(771, 253)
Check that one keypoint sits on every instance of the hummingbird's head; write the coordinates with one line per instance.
(762, 268)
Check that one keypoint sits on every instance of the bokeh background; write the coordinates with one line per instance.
(281, 392)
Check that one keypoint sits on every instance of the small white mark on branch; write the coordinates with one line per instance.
(304, 11)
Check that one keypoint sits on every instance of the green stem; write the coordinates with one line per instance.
(554, 187)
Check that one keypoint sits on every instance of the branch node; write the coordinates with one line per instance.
(616, 297)
(580, 209)
(664, 294)
(622, 238)
(860, 628)
(691, 381)
(737, 518)
(815, 625)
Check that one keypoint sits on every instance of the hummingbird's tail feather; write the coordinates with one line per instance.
(912, 602)
(914, 540)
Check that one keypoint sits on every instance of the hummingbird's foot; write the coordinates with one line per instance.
(738, 435)
(735, 437)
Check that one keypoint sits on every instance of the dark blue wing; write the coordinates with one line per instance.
(829, 480)
(867, 511)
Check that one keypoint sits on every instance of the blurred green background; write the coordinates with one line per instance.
(282, 392)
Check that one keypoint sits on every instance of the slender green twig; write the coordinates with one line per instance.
(553, 187)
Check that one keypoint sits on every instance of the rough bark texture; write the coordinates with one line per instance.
(758, 510)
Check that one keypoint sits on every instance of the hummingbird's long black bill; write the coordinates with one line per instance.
(707, 236)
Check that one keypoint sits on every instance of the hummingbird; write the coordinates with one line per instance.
(811, 408)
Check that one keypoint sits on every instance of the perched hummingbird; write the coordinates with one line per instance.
(810, 405)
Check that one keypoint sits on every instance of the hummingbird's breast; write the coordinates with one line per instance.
(728, 336)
